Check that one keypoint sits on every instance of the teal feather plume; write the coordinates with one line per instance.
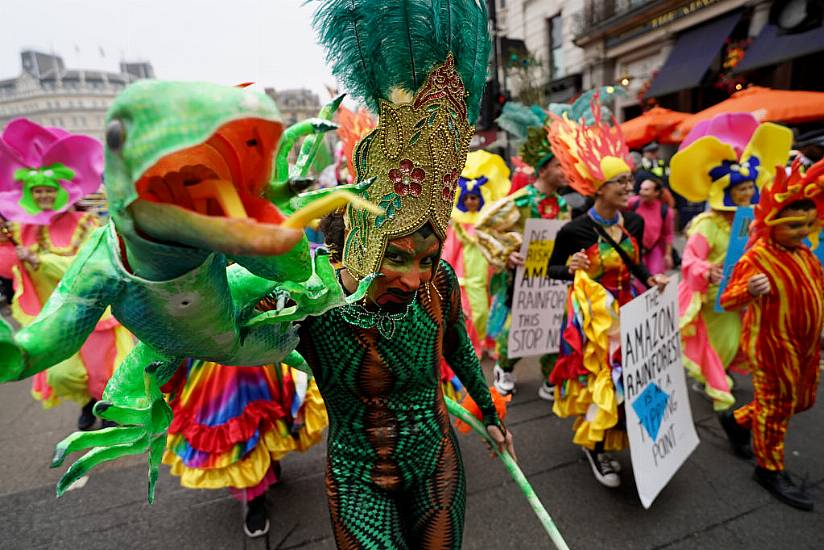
(581, 110)
(375, 46)
(516, 118)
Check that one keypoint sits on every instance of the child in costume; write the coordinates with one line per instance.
(44, 172)
(500, 232)
(484, 180)
(724, 161)
(781, 284)
(600, 251)
(394, 474)
(232, 426)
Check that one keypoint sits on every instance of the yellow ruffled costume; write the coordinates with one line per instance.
(233, 424)
(592, 398)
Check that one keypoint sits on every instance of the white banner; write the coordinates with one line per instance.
(659, 420)
(537, 300)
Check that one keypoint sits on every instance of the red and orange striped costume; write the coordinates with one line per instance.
(780, 337)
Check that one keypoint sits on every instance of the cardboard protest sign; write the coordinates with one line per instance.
(537, 300)
(659, 419)
(739, 235)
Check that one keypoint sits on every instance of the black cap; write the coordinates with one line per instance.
(650, 147)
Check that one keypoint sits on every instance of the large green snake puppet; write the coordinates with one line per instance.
(195, 243)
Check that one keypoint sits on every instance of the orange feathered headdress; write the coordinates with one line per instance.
(352, 127)
(590, 155)
(785, 190)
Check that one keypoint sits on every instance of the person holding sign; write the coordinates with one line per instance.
(500, 232)
(601, 252)
(724, 161)
(776, 275)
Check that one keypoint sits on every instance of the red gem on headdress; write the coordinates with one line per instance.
(450, 180)
(407, 178)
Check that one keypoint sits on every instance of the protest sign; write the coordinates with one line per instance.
(739, 235)
(537, 300)
(659, 420)
(819, 250)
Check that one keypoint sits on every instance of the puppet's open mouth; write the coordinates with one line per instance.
(210, 195)
(222, 177)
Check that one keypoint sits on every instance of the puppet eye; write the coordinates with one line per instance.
(115, 135)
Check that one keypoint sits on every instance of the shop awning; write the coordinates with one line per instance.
(771, 47)
(656, 124)
(693, 53)
(788, 106)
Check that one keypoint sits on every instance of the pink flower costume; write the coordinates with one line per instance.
(486, 177)
(32, 156)
(717, 155)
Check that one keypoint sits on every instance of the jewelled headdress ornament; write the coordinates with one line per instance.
(725, 151)
(785, 190)
(590, 153)
(33, 156)
(421, 66)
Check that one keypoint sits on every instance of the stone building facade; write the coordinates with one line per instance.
(295, 105)
(52, 95)
(547, 29)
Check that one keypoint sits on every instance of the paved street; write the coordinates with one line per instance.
(711, 503)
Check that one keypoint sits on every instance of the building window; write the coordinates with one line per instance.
(556, 47)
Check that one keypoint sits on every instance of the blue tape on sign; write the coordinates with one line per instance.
(739, 235)
(650, 407)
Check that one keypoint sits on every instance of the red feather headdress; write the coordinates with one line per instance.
(786, 189)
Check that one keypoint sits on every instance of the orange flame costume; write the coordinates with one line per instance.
(780, 340)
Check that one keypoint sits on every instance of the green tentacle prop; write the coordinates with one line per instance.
(291, 135)
(512, 467)
(311, 145)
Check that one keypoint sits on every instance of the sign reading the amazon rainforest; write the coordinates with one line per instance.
(659, 419)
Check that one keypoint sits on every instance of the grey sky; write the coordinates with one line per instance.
(269, 42)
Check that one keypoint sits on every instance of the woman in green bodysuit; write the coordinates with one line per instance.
(394, 475)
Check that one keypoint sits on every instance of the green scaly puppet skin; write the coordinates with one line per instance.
(178, 300)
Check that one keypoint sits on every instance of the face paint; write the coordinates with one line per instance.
(791, 234)
(408, 263)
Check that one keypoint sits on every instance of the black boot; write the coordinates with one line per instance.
(86, 420)
(782, 488)
(739, 437)
(256, 522)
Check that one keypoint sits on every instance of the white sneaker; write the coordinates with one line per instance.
(503, 381)
(602, 469)
(546, 391)
(257, 532)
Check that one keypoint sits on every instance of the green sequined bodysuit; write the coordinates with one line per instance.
(394, 472)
